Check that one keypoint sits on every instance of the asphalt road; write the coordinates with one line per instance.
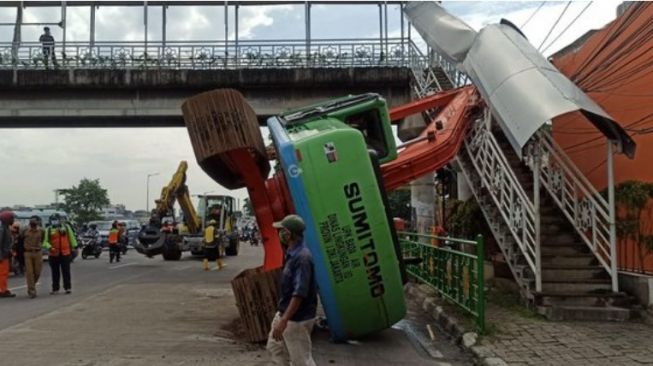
(146, 311)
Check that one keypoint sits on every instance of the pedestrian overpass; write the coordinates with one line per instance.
(143, 83)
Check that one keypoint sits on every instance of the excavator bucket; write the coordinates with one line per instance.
(228, 145)
(220, 122)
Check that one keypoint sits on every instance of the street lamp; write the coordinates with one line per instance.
(147, 204)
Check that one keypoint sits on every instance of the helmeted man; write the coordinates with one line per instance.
(60, 241)
(6, 241)
(289, 342)
(212, 246)
(32, 238)
(114, 242)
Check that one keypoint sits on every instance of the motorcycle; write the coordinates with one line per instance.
(253, 240)
(90, 247)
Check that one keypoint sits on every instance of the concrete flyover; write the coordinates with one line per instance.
(153, 97)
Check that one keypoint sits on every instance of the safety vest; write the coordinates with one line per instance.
(114, 234)
(209, 236)
(58, 242)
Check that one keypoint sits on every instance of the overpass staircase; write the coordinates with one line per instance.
(550, 223)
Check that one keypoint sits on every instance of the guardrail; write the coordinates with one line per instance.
(337, 53)
(515, 206)
(455, 274)
(580, 202)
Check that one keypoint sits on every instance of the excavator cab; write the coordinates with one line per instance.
(222, 210)
(367, 113)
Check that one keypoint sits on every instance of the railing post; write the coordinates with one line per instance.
(537, 161)
(613, 231)
(480, 280)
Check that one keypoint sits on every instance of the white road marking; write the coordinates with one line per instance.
(17, 288)
(122, 265)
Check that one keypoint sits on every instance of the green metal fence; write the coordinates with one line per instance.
(453, 267)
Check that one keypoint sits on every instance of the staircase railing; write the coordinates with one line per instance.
(513, 203)
(426, 83)
(585, 208)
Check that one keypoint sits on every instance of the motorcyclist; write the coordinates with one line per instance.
(92, 231)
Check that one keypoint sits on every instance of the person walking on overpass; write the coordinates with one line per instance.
(211, 246)
(60, 241)
(47, 44)
(114, 242)
(6, 241)
(289, 342)
(32, 238)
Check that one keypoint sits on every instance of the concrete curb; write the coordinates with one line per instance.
(426, 296)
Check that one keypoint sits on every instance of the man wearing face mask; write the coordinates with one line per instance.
(60, 240)
(32, 238)
(289, 341)
(6, 220)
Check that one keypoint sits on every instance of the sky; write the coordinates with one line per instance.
(35, 162)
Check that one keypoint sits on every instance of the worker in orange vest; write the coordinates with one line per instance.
(114, 245)
(6, 220)
(60, 241)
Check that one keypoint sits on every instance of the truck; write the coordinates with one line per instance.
(155, 238)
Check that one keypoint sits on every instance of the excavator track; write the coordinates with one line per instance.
(219, 122)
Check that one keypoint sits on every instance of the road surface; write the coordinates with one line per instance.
(146, 311)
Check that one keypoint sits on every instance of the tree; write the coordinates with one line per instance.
(85, 201)
(399, 202)
(248, 210)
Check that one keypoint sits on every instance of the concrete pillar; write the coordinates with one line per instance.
(422, 200)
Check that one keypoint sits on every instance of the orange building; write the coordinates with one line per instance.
(614, 66)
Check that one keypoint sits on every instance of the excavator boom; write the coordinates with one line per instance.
(439, 142)
(177, 190)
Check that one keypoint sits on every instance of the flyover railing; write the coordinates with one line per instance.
(453, 267)
(336, 53)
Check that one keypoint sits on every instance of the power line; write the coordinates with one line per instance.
(533, 14)
(568, 26)
(555, 24)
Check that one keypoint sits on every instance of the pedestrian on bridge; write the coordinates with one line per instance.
(60, 241)
(289, 342)
(32, 238)
(47, 42)
(6, 241)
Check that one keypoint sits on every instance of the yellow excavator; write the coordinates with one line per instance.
(159, 237)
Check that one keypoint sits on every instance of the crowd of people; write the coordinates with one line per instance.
(25, 247)
(290, 336)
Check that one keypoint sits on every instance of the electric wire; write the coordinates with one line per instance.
(533, 14)
(568, 26)
(555, 24)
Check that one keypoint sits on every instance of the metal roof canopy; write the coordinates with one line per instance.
(523, 89)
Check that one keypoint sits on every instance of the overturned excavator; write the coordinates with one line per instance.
(334, 162)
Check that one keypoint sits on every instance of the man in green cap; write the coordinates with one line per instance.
(289, 341)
